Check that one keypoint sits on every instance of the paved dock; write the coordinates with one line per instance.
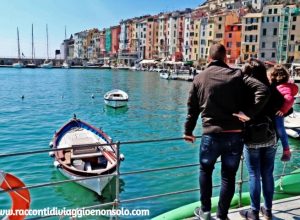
(284, 209)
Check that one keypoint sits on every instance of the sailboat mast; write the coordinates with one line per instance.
(65, 32)
(19, 53)
(47, 42)
(32, 44)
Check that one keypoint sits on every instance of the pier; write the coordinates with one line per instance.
(287, 209)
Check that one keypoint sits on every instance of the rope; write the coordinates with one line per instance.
(281, 177)
(22, 197)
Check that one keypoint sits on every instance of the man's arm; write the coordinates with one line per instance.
(192, 115)
(261, 96)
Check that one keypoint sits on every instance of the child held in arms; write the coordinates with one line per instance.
(279, 76)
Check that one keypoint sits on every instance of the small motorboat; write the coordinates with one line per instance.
(65, 65)
(89, 155)
(292, 125)
(116, 98)
(165, 75)
(47, 64)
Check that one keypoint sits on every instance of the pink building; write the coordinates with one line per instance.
(102, 43)
(115, 39)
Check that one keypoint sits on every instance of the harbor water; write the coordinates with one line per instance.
(156, 109)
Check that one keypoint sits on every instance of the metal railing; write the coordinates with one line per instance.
(116, 203)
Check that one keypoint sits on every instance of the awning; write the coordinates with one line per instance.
(173, 62)
(148, 62)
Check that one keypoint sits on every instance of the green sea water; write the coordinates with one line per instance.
(156, 109)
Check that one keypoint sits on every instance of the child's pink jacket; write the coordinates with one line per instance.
(288, 90)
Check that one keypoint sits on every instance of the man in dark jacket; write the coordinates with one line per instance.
(218, 93)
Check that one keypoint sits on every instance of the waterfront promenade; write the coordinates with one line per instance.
(284, 209)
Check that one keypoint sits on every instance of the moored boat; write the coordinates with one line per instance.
(89, 156)
(18, 64)
(116, 98)
(164, 75)
(292, 125)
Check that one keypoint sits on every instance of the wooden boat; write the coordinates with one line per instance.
(87, 158)
(116, 98)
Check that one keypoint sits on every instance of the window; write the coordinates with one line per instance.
(195, 50)
(275, 11)
(219, 35)
(174, 33)
(268, 19)
(230, 35)
(263, 44)
(264, 32)
(273, 19)
(229, 44)
(273, 55)
(298, 47)
(238, 44)
(196, 26)
(262, 55)
(293, 27)
(253, 48)
(294, 18)
(196, 35)
(220, 18)
(270, 11)
(220, 26)
(273, 44)
(210, 33)
(247, 48)
(292, 37)
(275, 31)
(195, 42)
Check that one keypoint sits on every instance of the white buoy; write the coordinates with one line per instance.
(51, 154)
(50, 144)
(93, 96)
(56, 164)
(122, 157)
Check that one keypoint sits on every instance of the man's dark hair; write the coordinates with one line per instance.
(217, 52)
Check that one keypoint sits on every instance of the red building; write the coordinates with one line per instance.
(232, 38)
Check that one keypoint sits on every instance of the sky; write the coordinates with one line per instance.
(75, 15)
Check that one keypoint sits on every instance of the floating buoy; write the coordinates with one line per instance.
(50, 144)
(22, 97)
(56, 164)
(51, 153)
(122, 157)
(20, 198)
(92, 96)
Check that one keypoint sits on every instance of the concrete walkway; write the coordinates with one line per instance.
(284, 209)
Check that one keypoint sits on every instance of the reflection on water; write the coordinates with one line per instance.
(114, 112)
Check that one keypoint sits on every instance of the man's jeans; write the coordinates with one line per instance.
(260, 163)
(230, 147)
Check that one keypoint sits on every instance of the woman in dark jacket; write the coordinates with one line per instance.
(261, 145)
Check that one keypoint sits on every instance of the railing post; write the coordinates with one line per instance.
(117, 199)
(240, 182)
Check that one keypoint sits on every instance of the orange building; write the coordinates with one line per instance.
(232, 38)
(152, 38)
(115, 39)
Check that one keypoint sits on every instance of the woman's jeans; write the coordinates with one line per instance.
(230, 147)
(260, 164)
(280, 129)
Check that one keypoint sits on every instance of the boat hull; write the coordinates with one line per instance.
(96, 184)
(116, 103)
(18, 65)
